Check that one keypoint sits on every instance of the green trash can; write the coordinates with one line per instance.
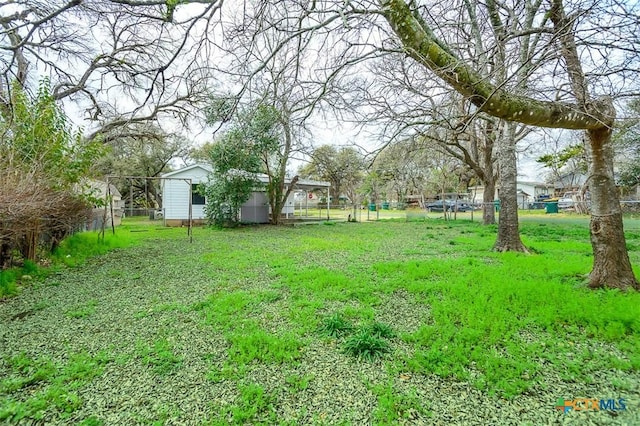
(551, 207)
(385, 206)
(496, 204)
(372, 207)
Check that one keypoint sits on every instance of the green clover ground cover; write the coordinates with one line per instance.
(347, 323)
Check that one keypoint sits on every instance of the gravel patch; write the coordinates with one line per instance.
(136, 301)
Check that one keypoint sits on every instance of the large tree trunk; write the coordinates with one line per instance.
(611, 266)
(277, 195)
(508, 232)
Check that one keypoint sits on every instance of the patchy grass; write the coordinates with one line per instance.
(253, 405)
(11, 279)
(35, 386)
(258, 345)
(79, 247)
(349, 323)
(72, 252)
(395, 405)
(82, 311)
(160, 356)
(8, 282)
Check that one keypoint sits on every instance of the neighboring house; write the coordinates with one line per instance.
(98, 189)
(175, 195)
(534, 190)
(528, 192)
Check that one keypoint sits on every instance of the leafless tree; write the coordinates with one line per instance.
(593, 114)
(123, 61)
(567, 80)
(409, 100)
(274, 61)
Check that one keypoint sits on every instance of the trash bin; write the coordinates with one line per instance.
(372, 207)
(551, 207)
(496, 204)
(385, 206)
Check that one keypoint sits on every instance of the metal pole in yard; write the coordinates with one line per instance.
(131, 197)
(146, 196)
(189, 231)
(104, 216)
(328, 202)
(113, 224)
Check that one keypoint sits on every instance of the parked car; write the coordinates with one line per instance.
(449, 205)
(566, 201)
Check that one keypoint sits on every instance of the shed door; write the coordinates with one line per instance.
(256, 209)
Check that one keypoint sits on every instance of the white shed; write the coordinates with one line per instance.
(175, 197)
(175, 194)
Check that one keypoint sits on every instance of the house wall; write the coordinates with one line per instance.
(534, 190)
(523, 200)
(176, 195)
(257, 209)
(527, 189)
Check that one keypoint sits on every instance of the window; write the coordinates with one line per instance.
(197, 199)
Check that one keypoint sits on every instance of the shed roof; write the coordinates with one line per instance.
(203, 166)
(304, 184)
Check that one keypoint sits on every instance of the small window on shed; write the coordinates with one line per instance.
(196, 197)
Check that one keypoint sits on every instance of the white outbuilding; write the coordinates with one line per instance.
(180, 190)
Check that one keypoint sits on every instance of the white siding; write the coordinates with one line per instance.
(176, 193)
(527, 188)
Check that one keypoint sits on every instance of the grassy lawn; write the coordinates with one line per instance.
(385, 322)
